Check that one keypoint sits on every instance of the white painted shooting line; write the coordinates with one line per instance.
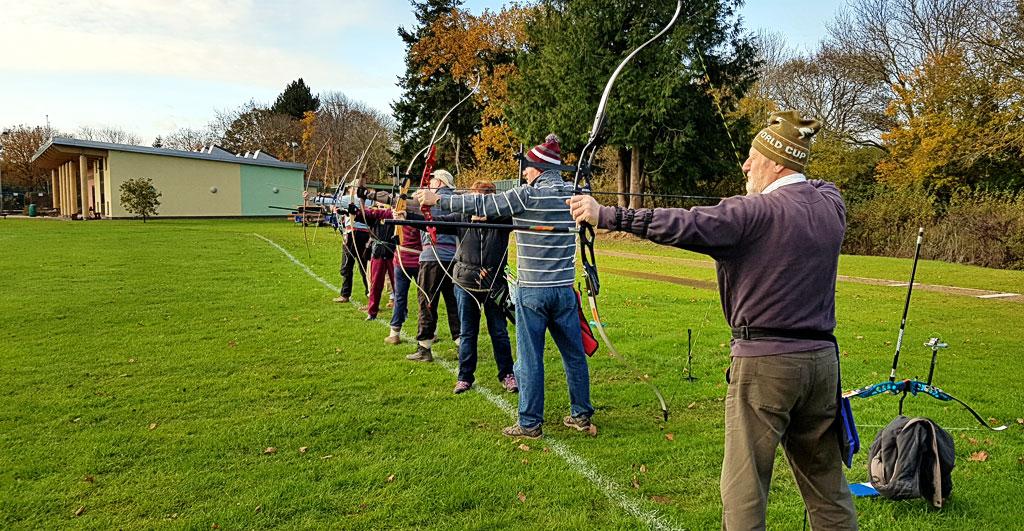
(577, 463)
(997, 295)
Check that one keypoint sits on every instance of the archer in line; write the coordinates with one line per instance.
(777, 253)
(544, 296)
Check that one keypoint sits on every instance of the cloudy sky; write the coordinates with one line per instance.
(151, 67)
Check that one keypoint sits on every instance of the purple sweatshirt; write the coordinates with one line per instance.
(776, 254)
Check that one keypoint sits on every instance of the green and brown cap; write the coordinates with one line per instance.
(787, 139)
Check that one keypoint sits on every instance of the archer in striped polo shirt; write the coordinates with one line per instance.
(545, 298)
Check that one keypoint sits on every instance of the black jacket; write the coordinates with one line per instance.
(480, 260)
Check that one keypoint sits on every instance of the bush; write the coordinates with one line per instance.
(979, 228)
(982, 228)
(883, 224)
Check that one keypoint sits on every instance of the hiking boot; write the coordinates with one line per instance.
(393, 340)
(521, 432)
(509, 381)
(462, 386)
(577, 423)
(421, 354)
(371, 317)
(341, 298)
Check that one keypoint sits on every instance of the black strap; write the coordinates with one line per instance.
(754, 332)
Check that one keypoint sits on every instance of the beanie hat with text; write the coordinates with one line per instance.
(787, 139)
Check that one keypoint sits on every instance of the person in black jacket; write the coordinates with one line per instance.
(478, 273)
(383, 244)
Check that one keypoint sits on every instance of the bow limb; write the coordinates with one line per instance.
(582, 185)
(935, 392)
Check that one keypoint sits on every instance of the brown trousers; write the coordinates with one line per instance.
(788, 398)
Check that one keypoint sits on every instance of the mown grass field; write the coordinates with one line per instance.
(147, 367)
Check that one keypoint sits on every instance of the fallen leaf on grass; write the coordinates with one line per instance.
(993, 420)
(670, 436)
(592, 430)
(152, 426)
(524, 447)
(215, 526)
(661, 499)
(76, 419)
(692, 405)
(521, 496)
(1020, 421)
(232, 343)
(259, 508)
(391, 478)
(526, 461)
(979, 456)
(304, 449)
(89, 479)
(635, 483)
(80, 511)
(643, 469)
(270, 450)
(131, 360)
(973, 441)
(328, 456)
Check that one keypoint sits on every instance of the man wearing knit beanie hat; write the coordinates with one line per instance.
(545, 297)
(779, 150)
(550, 151)
(776, 251)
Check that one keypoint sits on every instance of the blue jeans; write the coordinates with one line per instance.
(497, 328)
(554, 309)
(401, 293)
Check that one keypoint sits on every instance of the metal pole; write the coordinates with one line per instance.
(906, 304)
(935, 344)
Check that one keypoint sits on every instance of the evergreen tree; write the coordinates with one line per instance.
(424, 100)
(296, 100)
(158, 143)
(661, 110)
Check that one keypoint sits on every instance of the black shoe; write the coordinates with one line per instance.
(371, 317)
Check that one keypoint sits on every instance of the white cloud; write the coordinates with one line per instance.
(234, 41)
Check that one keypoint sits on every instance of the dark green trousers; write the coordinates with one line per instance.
(788, 399)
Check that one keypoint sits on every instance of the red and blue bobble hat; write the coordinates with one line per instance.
(549, 151)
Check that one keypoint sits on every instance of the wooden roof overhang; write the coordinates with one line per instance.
(53, 155)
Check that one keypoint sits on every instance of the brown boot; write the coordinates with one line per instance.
(421, 354)
(393, 340)
(340, 298)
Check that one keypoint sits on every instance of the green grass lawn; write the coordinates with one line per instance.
(147, 367)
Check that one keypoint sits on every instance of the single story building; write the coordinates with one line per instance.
(86, 177)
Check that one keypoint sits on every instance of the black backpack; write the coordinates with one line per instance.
(912, 458)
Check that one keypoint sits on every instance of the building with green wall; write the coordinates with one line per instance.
(86, 177)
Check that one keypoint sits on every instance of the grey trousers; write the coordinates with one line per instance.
(787, 398)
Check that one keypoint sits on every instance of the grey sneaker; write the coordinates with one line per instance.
(421, 354)
(521, 432)
(393, 340)
(577, 423)
(462, 386)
